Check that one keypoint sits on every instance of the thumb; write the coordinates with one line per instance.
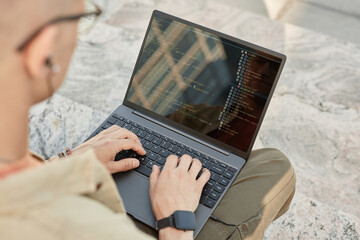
(154, 176)
(122, 165)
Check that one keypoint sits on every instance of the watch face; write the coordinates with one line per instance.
(184, 220)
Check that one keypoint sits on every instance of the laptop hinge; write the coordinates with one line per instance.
(181, 133)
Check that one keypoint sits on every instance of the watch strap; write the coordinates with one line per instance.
(165, 222)
(182, 220)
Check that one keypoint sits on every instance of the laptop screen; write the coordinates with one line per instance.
(203, 81)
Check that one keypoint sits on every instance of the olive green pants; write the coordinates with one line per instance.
(261, 193)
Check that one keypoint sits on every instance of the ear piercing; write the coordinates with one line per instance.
(55, 68)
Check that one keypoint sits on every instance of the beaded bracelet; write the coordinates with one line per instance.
(67, 153)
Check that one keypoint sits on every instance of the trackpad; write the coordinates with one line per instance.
(134, 191)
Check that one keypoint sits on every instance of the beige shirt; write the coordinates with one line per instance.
(72, 198)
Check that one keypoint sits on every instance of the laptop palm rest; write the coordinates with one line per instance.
(134, 191)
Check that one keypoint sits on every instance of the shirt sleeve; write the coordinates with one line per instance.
(71, 217)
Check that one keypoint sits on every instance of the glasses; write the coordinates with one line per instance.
(86, 22)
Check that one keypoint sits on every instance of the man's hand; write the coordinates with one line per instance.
(111, 141)
(176, 187)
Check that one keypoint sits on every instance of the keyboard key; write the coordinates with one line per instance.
(127, 153)
(135, 155)
(207, 164)
(189, 149)
(223, 181)
(117, 116)
(149, 137)
(152, 156)
(217, 169)
(144, 160)
(210, 184)
(165, 145)
(181, 145)
(206, 191)
(215, 177)
(150, 164)
(161, 160)
(127, 126)
(232, 169)
(158, 135)
(209, 203)
(157, 141)
(144, 170)
(127, 121)
(164, 153)
(180, 152)
(223, 165)
(141, 134)
(192, 155)
(219, 188)
(214, 195)
(173, 148)
(106, 126)
(156, 149)
(111, 120)
(120, 123)
(134, 130)
(228, 174)
(148, 145)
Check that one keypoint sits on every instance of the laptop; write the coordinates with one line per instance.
(193, 91)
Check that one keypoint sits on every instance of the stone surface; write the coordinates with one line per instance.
(61, 123)
(310, 219)
(349, 7)
(327, 18)
(313, 117)
(340, 19)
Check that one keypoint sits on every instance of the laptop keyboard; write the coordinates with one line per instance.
(158, 147)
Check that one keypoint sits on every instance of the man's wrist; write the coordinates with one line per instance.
(182, 220)
(173, 233)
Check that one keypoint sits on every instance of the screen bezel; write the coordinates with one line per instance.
(203, 137)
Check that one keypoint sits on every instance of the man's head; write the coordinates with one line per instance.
(47, 30)
(18, 20)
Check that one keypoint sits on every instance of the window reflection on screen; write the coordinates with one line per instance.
(210, 84)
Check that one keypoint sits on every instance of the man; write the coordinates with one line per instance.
(75, 197)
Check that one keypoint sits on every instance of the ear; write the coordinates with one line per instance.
(38, 51)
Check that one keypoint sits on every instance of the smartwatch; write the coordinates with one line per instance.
(183, 220)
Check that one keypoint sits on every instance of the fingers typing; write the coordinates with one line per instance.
(123, 133)
(127, 144)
